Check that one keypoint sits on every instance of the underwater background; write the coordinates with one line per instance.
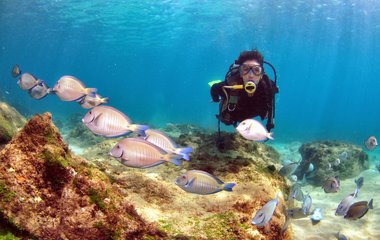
(155, 58)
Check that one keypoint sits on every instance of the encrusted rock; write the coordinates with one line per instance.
(10, 122)
(331, 158)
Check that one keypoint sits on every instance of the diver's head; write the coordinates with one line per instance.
(250, 66)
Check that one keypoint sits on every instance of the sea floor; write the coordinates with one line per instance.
(303, 229)
(364, 228)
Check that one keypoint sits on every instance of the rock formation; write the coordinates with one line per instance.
(10, 122)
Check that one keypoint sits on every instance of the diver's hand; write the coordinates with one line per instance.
(215, 91)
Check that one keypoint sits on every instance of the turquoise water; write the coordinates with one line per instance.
(155, 58)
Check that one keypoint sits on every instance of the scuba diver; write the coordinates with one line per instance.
(246, 92)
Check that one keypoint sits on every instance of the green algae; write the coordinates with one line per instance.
(97, 198)
(6, 130)
(6, 195)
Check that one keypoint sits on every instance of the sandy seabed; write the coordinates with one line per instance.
(365, 228)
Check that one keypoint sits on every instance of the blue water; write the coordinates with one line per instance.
(155, 58)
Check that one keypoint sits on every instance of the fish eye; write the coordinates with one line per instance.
(90, 112)
(243, 123)
(183, 177)
(118, 147)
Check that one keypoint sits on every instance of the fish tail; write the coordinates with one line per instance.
(139, 129)
(270, 136)
(105, 100)
(370, 204)
(184, 152)
(228, 186)
(91, 91)
(173, 158)
(50, 91)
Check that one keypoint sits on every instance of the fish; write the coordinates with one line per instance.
(138, 153)
(340, 236)
(40, 91)
(371, 143)
(346, 202)
(296, 213)
(252, 129)
(163, 141)
(16, 71)
(69, 88)
(27, 81)
(310, 168)
(296, 192)
(306, 204)
(289, 169)
(316, 215)
(201, 182)
(293, 178)
(107, 121)
(92, 100)
(358, 209)
(264, 215)
(331, 185)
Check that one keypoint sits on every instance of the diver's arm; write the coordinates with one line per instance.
(216, 91)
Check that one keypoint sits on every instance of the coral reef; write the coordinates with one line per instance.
(331, 158)
(48, 193)
(224, 215)
(10, 122)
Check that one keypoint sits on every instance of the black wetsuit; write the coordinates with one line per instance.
(260, 104)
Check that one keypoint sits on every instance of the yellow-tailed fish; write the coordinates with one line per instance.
(163, 141)
(16, 71)
(200, 182)
(139, 153)
(109, 122)
(69, 88)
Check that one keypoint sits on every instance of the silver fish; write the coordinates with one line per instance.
(27, 81)
(109, 122)
(200, 182)
(92, 100)
(40, 91)
(163, 141)
(346, 202)
(138, 153)
(306, 204)
(331, 185)
(358, 209)
(16, 71)
(316, 215)
(264, 215)
(296, 192)
(371, 143)
(340, 236)
(296, 213)
(69, 88)
(343, 156)
(288, 169)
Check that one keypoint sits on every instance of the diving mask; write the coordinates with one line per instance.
(244, 69)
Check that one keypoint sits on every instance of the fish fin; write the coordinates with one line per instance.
(105, 100)
(228, 186)
(190, 183)
(139, 129)
(173, 158)
(370, 204)
(184, 152)
(91, 91)
(270, 136)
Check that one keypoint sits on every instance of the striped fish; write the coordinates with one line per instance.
(109, 122)
(138, 153)
(69, 88)
(200, 182)
(163, 141)
(264, 215)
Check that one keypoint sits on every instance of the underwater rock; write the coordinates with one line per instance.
(10, 122)
(331, 158)
(224, 215)
(51, 194)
